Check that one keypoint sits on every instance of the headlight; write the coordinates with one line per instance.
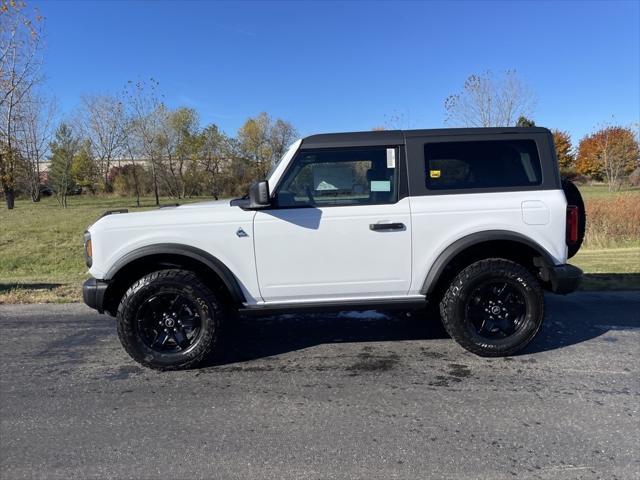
(88, 249)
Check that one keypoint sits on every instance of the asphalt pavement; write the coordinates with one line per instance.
(343, 395)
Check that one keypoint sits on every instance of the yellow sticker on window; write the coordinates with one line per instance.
(434, 173)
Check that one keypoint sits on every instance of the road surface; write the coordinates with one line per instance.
(345, 395)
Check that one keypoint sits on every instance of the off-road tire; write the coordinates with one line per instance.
(573, 196)
(455, 300)
(191, 287)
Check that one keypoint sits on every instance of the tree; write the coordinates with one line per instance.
(145, 112)
(489, 102)
(239, 171)
(129, 179)
(63, 152)
(214, 154)
(83, 167)
(609, 154)
(20, 33)
(132, 147)
(262, 141)
(178, 141)
(564, 151)
(33, 133)
(104, 121)
(525, 122)
(588, 159)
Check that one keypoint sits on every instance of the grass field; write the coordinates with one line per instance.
(609, 268)
(617, 266)
(602, 191)
(41, 244)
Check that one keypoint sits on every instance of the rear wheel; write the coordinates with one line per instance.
(494, 307)
(169, 320)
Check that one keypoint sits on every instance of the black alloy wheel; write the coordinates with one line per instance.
(496, 309)
(170, 320)
(493, 307)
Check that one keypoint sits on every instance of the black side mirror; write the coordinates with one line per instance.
(259, 195)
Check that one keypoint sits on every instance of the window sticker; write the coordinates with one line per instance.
(434, 173)
(380, 185)
(391, 158)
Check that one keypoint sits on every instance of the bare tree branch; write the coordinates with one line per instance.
(489, 102)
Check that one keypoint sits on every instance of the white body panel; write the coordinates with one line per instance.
(440, 220)
(330, 253)
(209, 226)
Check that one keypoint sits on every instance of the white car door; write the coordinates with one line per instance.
(337, 229)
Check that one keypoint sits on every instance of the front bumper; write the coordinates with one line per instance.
(93, 292)
(564, 278)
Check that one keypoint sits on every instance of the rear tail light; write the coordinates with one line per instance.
(572, 224)
(88, 249)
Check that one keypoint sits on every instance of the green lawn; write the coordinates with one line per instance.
(609, 269)
(41, 249)
(602, 191)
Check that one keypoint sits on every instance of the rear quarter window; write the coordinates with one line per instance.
(482, 164)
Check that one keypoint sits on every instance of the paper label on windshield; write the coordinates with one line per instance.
(380, 186)
(391, 158)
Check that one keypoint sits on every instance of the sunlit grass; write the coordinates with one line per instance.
(609, 260)
(610, 268)
(602, 191)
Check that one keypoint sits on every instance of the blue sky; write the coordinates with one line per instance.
(337, 66)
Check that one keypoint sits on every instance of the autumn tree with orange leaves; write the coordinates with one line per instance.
(564, 151)
(609, 154)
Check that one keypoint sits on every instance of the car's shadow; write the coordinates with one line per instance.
(580, 317)
(250, 338)
(569, 321)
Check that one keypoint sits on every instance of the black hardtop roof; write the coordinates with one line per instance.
(395, 137)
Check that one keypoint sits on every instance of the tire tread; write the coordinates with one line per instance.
(126, 331)
(454, 326)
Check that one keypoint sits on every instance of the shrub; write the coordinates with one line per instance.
(613, 221)
(570, 173)
(123, 180)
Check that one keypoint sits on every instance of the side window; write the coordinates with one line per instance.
(483, 164)
(335, 177)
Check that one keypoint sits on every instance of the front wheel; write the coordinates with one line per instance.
(494, 307)
(169, 320)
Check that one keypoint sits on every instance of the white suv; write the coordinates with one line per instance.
(475, 220)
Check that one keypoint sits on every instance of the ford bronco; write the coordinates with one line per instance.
(475, 221)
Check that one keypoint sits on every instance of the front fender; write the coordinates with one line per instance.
(194, 253)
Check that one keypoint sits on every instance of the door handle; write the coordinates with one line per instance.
(386, 226)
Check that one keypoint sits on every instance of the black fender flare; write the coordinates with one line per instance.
(205, 258)
(468, 241)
